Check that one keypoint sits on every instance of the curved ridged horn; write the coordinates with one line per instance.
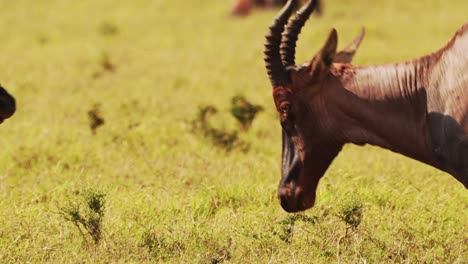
(290, 35)
(273, 62)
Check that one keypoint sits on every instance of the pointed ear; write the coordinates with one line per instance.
(320, 64)
(346, 55)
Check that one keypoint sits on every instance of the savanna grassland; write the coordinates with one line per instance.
(109, 158)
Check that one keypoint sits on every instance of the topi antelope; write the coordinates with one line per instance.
(417, 108)
(7, 105)
(243, 7)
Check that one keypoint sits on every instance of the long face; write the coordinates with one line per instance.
(308, 147)
(300, 94)
(7, 105)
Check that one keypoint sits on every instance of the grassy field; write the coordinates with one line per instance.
(149, 186)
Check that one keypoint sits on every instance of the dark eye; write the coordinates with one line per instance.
(285, 107)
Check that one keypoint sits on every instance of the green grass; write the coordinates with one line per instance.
(170, 194)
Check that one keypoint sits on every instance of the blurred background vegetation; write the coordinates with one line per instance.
(125, 146)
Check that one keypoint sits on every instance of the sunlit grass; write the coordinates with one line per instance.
(171, 194)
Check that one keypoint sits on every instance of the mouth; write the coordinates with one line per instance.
(290, 199)
(293, 198)
(6, 114)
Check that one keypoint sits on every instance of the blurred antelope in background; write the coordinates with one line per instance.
(244, 7)
(7, 105)
(417, 108)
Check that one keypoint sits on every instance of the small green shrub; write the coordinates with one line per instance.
(227, 140)
(351, 211)
(162, 245)
(87, 213)
(108, 29)
(287, 225)
(244, 111)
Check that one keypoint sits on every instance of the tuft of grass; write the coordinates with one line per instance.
(43, 39)
(106, 66)
(244, 111)
(161, 246)
(287, 225)
(108, 29)
(227, 140)
(351, 211)
(200, 123)
(86, 213)
(95, 118)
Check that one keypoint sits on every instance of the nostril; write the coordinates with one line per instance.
(285, 191)
(287, 198)
(284, 202)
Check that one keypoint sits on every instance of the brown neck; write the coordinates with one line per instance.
(386, 106)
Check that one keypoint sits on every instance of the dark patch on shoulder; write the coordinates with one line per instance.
(449, 146)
